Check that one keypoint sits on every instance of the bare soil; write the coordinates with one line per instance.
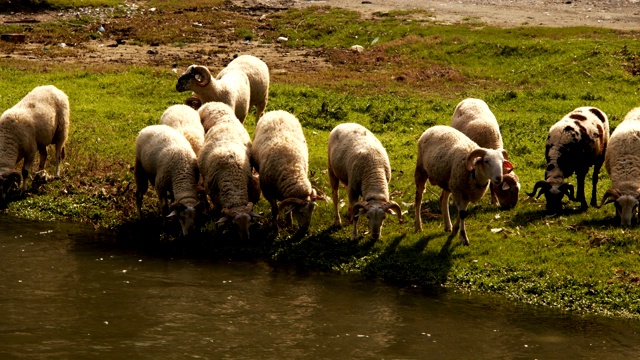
(614, 14)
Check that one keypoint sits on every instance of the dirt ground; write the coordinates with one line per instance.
(615, 14)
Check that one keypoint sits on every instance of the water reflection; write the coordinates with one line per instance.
(67, 292)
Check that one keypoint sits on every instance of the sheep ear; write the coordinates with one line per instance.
(222, 219)
(172, 214)
(504, 154)
(505, 186)
(507, 167)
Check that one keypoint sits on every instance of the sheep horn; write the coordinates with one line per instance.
(392, 205)
(610, 196)
(473, 155)
(194, 101)
(292, 202)
(567, 189)
(542, 185)
(359, 205)
(202, 75)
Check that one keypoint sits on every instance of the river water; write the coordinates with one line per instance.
(67, 292)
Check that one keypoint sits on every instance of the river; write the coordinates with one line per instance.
(67, 292)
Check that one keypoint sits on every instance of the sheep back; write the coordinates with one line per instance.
(213, 113)
(359, 160)
(258, 75)
(474, 119)
(281, 157)
(187, 121)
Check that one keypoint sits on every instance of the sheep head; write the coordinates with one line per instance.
(196, 76)
(240, 219)
(553, 194)
(508, 191)
(186, 215)
(7, 179)
(376, 212)
(626, 205)
(491, 164)
(301, 209)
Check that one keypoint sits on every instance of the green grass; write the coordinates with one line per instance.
(410, 79)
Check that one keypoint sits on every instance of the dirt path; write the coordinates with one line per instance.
(616, 14)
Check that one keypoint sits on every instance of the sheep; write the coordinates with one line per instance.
(358, 160)
(165, 159)
(575, 143)
(187, 121)
(623, 165)
(226, 168)
(41, 118)
(474, 119)
(452, 161)
(257, 73)
(232, 89)
(213, 113)
(281, 157)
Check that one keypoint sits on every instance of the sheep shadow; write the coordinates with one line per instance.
(415, 264)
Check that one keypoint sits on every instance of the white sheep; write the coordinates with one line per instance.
(215, 112)
(199, 80)
(358, 160)
(452, 161)
(622, 162)
(187, 121)
(225, 164)
(41, 118)
(281, 157)
(165, 159)
(474, 119)
(575, 143)
(232, 89)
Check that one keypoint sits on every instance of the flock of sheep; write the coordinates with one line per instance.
(204, 144)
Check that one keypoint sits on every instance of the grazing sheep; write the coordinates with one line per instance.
(452, 161)
(225, 164)
(165, 159)
(281, 157)
(474, 119)
(187, 121)
(575, 143)
(213, 113)
(232, 89)
(41, 118)
(623, 165)
(257, 73)
(358, 159)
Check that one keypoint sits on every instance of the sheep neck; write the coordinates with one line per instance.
(475, 180)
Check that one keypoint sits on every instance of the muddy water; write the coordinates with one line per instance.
(68, 293)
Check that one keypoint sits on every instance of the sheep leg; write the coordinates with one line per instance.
(335, 184)
(444, 208)
(43, 157)
(580, 195)
(594, 180)
(420, 176)
(460, 225)
(274, 212)
(353, 194)
(26, 167)
(260, 106)
(494, 198)
(59, 158)
(142, 185)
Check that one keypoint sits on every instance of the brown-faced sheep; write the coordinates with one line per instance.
(474, 119)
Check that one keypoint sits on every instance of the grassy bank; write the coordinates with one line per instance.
(409, 79)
